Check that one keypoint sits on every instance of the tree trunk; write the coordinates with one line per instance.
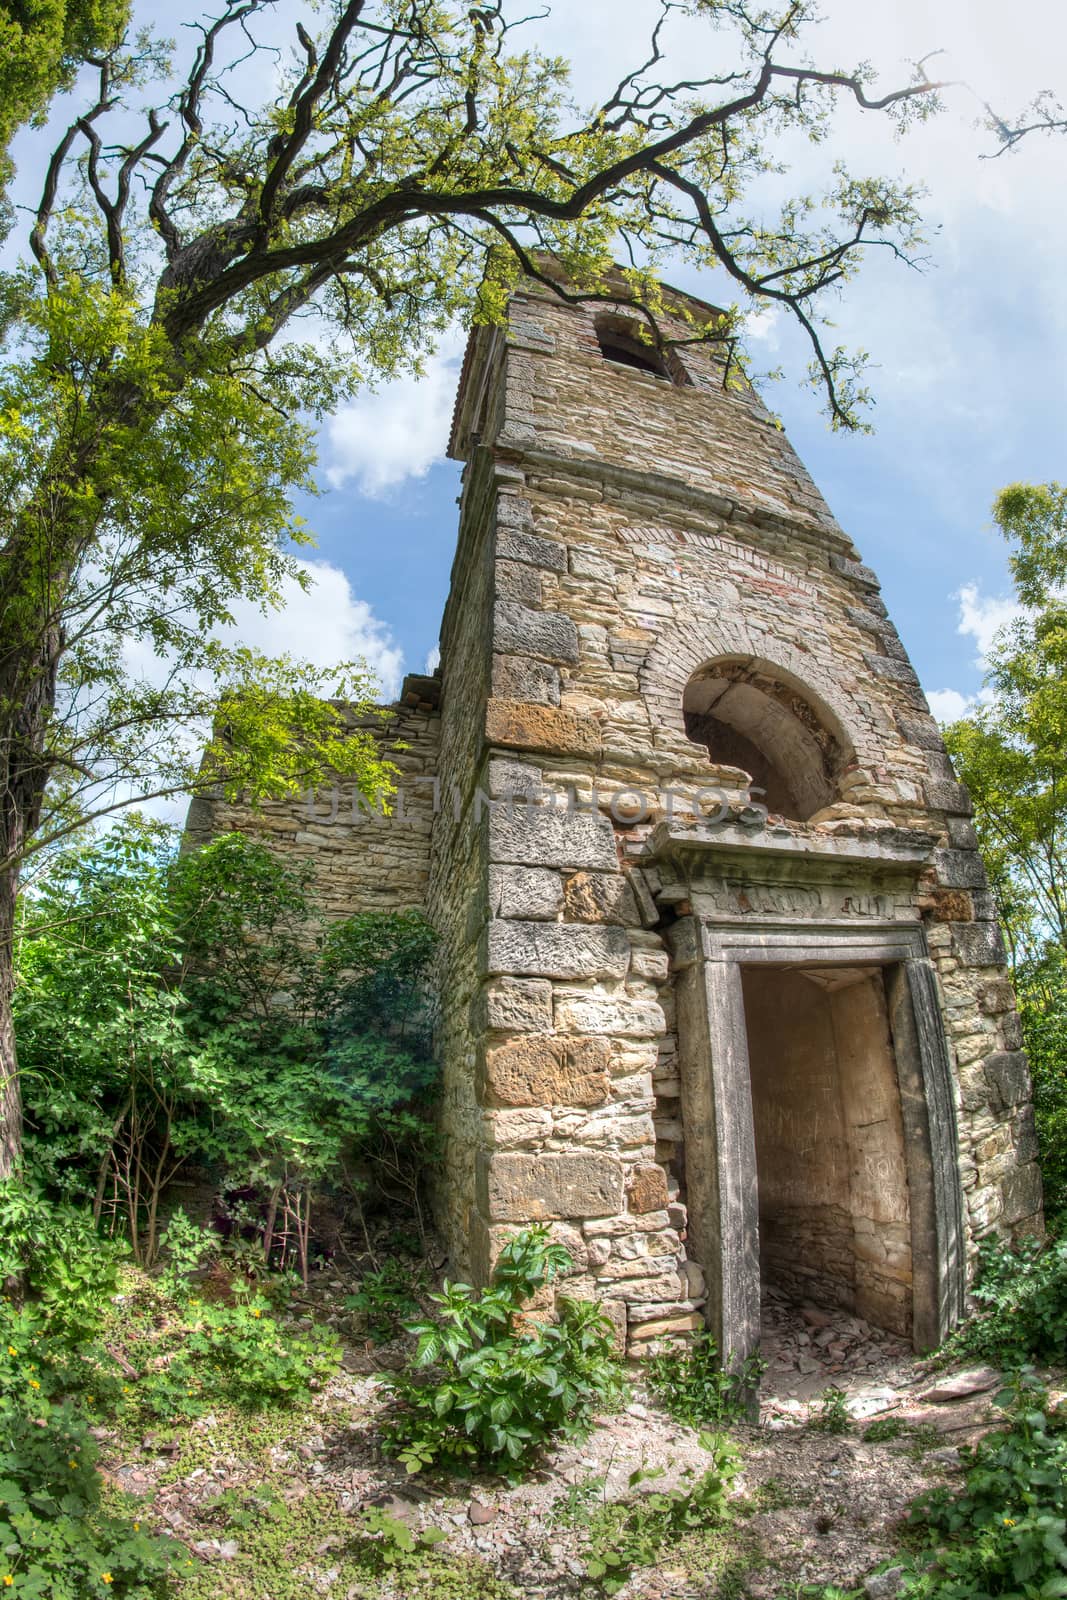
(10, 1088)
(27, 697)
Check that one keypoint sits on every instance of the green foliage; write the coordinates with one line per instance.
(1011, 751)
(627, 1534)
(1002, 1534)
(695, 1389)
(42, 44)
(1042, 990)
(189, 1354)
(484, 1390)
(384, 1300)
(833, 1414)
(883, 1430)
(304, 1542)
(60, 1537)
(198, 1006)
(1022, 1290)
(65, 1271)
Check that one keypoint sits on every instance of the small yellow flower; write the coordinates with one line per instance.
(1009, 1522)
(72, 1465)
(105, 1577)
(137, 1527)
(11, 1352)
(34, 1384)
(8, 1580)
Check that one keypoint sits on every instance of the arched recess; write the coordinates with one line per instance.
(748, 714)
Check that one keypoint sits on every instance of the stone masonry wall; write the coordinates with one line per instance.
(640, 530)
(362, 860)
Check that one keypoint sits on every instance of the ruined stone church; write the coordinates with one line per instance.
(722, 995)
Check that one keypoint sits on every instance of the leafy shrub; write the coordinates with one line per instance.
(626, 1534)
(62, 1265)
(1022, 1291)
(484, 1389)
(57, 1537)
(1003, 1532)
(1043, 1004)
(191, 1354)
(58, 1541)
(199, 1007)
(833, 1414)
(694, 1389)
(384, 1300)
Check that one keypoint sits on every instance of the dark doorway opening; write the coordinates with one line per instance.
(834, 1206)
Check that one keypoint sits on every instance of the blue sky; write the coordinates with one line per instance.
(968, 357)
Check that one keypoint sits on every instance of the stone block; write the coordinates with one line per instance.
(993, 998)
(1011, 1029)
(961, 833)
(527, 892)
(511, 1128)
(548, 1070)
(615, 1311)
(519, 678)
(684, 1325)
(616, 1014)
(648, 908)
(1009, 1075)
(890, 667)
(856, 571)
(1024, 1136)
(953, 905)
(551, 836)
(517, 544)
(1021, 1191)
(921, 731)
(518, 1005)
(960, 869)
(600, 897)
(654, 965)
(517, 581)
(557, 950)
(549, 1187)
(979, 944)
(520, 630)
(525, 725)
(950, 797)
(647, 1189)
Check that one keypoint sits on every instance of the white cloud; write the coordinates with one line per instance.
(983, 616)
(433, 660)
(948, 705)
(323, 624)
(398, 432)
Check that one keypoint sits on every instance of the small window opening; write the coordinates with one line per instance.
(619, 342)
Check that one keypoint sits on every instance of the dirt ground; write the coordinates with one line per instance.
(816, 1507)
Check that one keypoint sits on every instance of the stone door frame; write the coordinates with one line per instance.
(721, 1181)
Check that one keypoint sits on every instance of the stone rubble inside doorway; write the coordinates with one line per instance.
(810, 1348)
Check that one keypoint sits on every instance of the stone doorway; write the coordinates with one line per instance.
(819, 1125)
(833, 1198)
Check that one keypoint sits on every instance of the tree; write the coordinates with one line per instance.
(42, 44)
(403, 171)
(1011, 752)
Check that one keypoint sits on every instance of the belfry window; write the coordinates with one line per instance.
(748, 719)
(620, 342)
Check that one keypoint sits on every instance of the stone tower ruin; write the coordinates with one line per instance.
(722, 996)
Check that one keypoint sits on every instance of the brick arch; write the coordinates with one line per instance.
(674, 660)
